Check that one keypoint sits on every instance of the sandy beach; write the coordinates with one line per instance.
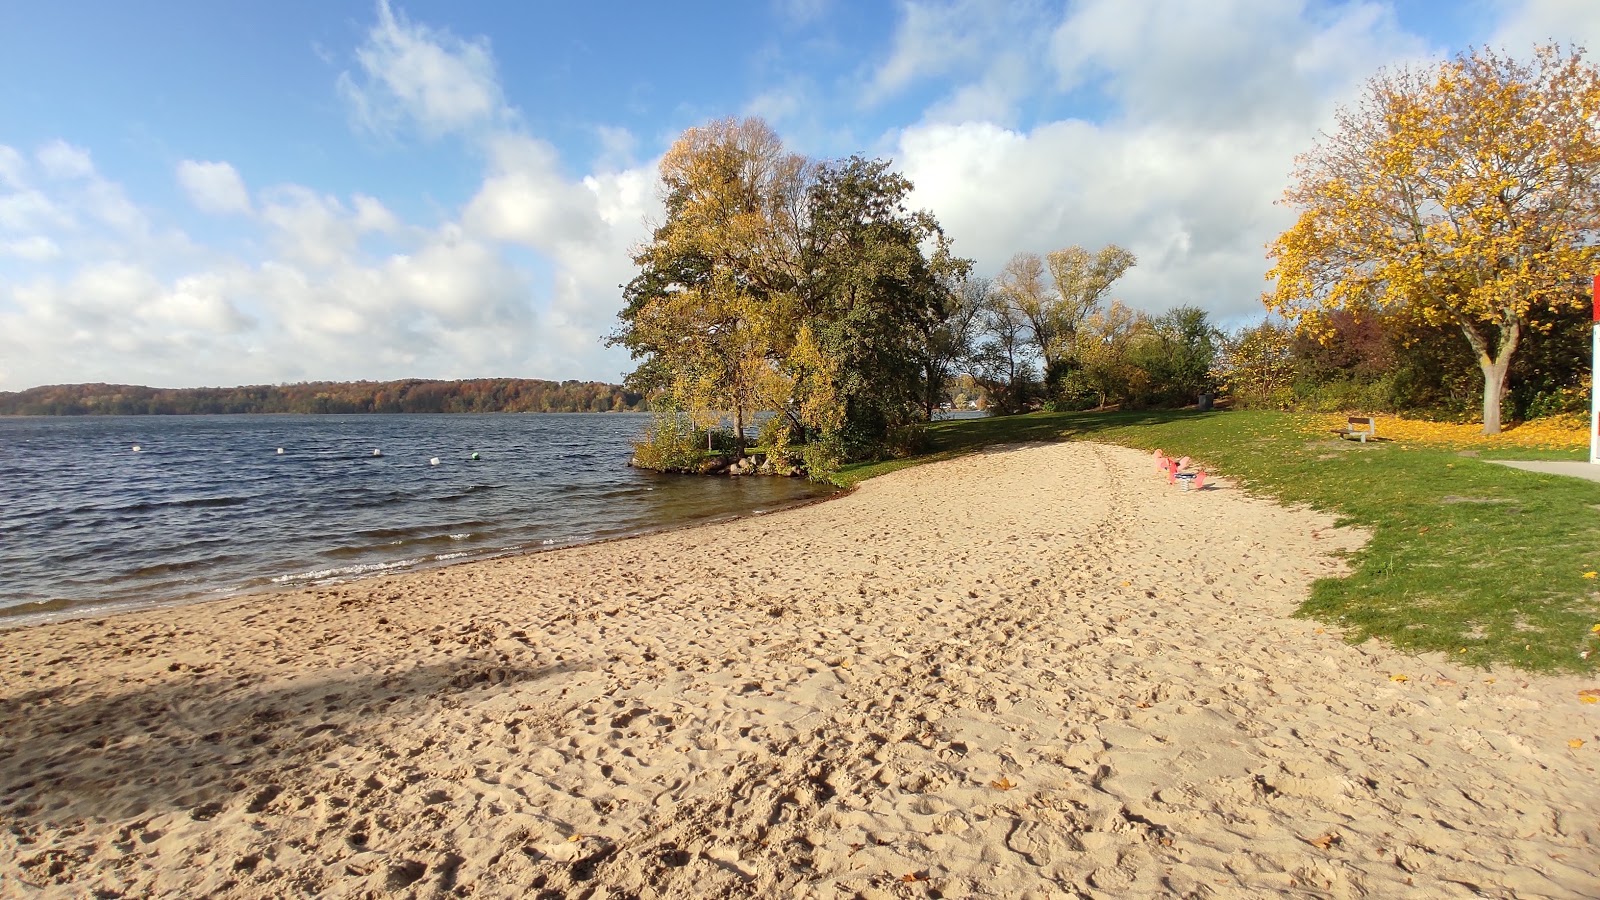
(1033, 672)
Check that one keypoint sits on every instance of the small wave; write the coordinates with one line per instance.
(460, 535)
(462, 495)
(344, 571)
(191, 503)
(174, 568)
(441, 557)
(35, 607)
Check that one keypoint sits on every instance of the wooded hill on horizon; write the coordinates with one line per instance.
(410, 395)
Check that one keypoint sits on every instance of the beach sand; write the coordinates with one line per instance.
(1032, 672)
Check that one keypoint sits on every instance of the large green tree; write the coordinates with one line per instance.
(875, 299)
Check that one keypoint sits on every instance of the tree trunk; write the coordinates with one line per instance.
(1494, 390)
(1494, 364)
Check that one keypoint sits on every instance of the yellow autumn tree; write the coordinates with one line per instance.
(710, 312)
(1467, 194)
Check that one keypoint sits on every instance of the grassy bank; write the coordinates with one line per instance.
(1490, 564)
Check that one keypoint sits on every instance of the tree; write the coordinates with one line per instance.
(877, 302)
(951, 340)
(1103, 340)
(1003, 363)
(1054, 296)
(1023, 286)
(1256, 365)
(705, 312)
(776, 283)
(1176, 353)
(1082, 280)
(1469, 195)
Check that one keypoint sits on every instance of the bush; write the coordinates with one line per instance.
(672, 443)
(822, 457)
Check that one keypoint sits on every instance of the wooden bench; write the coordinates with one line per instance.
(1361, 427)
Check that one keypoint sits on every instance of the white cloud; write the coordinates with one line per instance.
(317, 230)
(371, 215)
(525, 199)
(37, 248)
(31, 210)
(991, 44)
(422, 76)
(1526, 23)
(1185, 168)
(13, 168)
(60, 159)
(214, 187)
(1222, 64)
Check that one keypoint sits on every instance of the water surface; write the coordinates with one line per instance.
(208, 507)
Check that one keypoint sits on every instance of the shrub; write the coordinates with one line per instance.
(672, 443)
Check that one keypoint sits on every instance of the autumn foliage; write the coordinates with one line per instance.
(1466, 196)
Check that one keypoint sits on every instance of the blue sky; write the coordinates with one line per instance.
(200, 193)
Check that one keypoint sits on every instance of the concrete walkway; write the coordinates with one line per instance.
(1590, 471)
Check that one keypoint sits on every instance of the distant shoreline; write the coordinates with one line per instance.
(410, 395)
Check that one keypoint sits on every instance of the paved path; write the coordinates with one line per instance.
(1590, 471)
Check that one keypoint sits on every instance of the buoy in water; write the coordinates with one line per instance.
(434, 461)
(280, 451)
(136, 448)
(474, 456)
(376, 452)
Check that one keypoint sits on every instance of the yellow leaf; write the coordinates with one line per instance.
(1588, 699)
(1575, 743)
(1400, 678)
(1324, 841)
(1004, 784)
(1591, 574)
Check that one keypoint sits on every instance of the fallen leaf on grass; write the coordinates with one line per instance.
(1591, 574)
(1325, 840)
(1004, 784)
(1575, 743)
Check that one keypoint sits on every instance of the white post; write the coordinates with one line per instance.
(1594, 377)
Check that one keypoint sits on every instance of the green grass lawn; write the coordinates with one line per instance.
(1480, 561)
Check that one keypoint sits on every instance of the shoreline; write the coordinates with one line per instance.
(14, 620)
(1072, 679)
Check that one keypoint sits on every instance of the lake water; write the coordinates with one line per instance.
(208, 507)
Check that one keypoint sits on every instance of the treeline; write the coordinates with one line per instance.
(1042, 335)
(412, 395)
